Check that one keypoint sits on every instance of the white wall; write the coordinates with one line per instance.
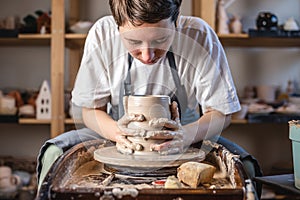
(264, 66)
(88, 10)
(255, 66)
(22, 9)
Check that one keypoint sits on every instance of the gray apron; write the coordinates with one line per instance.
(179, 95)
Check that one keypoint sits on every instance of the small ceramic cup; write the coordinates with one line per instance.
(7, 179)
(151, 106)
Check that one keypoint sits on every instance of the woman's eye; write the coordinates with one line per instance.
(134, 42)
(161, 40)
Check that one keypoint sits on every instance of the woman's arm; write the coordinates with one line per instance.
(99, 121)
(210, 124)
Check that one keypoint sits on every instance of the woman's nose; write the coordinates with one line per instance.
(147, 55)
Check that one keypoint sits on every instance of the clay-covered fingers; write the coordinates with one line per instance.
(174, 111)
(133, 132)
(125, 146)
(164, 134)
(127, 118)
(164, 123)
(123, 149)
(170, 147)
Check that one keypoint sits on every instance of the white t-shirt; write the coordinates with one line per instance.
(200, 60)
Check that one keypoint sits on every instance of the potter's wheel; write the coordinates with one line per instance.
(142, 164)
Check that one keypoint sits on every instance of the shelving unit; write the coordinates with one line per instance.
(59, 40)
(206, 9)
(260, 139)
(243, 40)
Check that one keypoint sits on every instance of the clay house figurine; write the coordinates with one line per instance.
(43, 102)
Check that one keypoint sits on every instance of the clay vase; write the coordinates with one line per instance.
(291, 25)
(235, 25)
(151, 106)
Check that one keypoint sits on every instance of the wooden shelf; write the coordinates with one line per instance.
(243, 40)
(75, 36)
(239, 121)
(33, 121)
(77, 41)
(36, 121)
(74, 40)
(34, 36)
(242, 35)
(73, 121)
(35, 39)
(26, 40)
(69, 121)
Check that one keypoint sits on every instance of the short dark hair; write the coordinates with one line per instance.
(138, 12)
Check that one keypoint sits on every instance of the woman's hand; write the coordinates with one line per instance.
(125, 146)
(169, 130)
(122, 143)
(174, 133)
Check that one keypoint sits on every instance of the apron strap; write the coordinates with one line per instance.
(179, 95)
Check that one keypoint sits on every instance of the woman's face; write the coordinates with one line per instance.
(148, 42)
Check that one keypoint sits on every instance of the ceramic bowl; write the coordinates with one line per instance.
(81, 27)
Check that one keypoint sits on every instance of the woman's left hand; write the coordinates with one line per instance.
(174, 133)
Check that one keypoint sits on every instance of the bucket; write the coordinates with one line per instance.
(295, 137)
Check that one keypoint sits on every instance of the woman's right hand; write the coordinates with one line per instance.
(122, 143)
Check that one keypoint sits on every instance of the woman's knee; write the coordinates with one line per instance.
(49, 157)
(51, 154)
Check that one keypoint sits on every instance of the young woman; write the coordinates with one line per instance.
(146, 47)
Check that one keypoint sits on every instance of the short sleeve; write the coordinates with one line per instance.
(92, 88)
(215, 86)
